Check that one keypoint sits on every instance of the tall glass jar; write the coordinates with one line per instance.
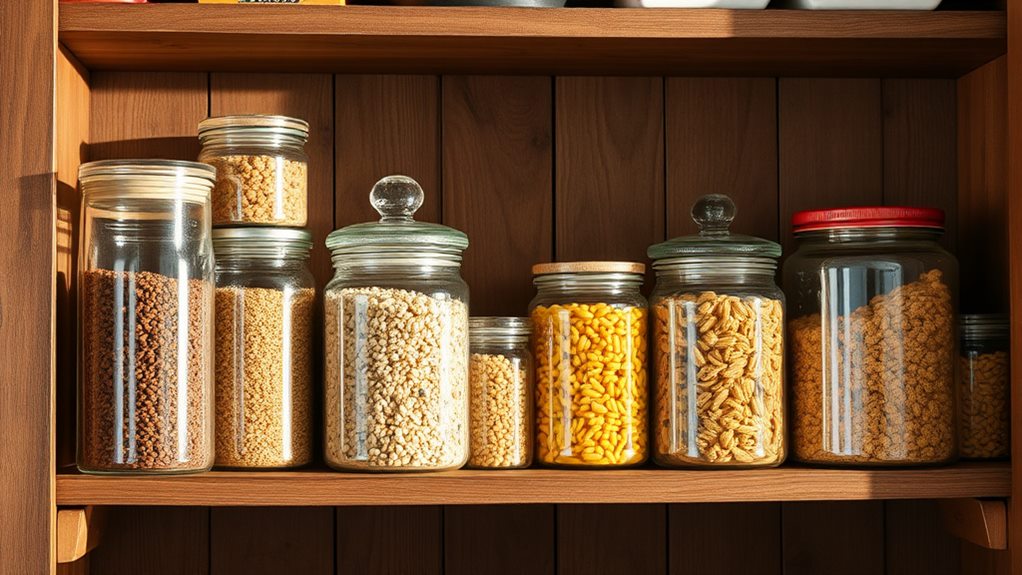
(985, 376)
(265, 297)
(500, 378)
(145, 305)
(718, 336)
(262, 170)
(397, 351)
(589, 341)
(873, 337)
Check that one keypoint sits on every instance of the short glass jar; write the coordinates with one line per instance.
(718, 336)
(873, 338)
(265, 297)
(262, 170)
(145, 315)
(397, 344)
(589, 341)
(985, 387)
(500, 379)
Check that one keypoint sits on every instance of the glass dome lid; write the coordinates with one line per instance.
(396, 198)
(714, 214)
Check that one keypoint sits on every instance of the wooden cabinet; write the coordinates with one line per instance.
(544, 134)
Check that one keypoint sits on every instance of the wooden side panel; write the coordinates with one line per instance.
(1013, 119)
(154, 541)
(833, 537)
(729, 539)
(389, 540)
(254, 541)
(503, 539)
(916, 541)
(611, 539)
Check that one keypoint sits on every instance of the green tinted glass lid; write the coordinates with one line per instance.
(714, 214)
(396, 198)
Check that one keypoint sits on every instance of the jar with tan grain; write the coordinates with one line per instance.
(265, 300)
(718, 346)
(873, 338)
(262, 171)
(985, 375)
(397, 343)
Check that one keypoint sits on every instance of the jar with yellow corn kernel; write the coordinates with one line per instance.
(589, 342)
(984, 390)
(718, 346)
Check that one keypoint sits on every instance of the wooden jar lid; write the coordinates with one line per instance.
(588, 267)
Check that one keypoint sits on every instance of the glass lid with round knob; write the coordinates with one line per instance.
(714, 214)
(396, 198)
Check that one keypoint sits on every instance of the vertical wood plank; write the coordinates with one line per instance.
(703, 538)
(80, 567)
(154, 541)
(501, 539)
(916, 541)
(1013, 119)
(976, 560)
(253, 541)
(390, 540)
(833, 537)
(611, 539)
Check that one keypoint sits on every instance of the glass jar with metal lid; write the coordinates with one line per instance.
(984, 392)
(718, 337)
(397, 344)
(262, 170)
(145, 318)
(873, 339)
(500, 379)
(265, 297)
(589, 341)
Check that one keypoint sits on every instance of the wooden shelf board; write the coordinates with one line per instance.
(381, 39)
(326, 488)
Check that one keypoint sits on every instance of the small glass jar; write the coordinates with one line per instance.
(265, 297)
(873, 338)
(397, 351)
(145, 315)
(500, 379)
(985, 387)
(589, 341)
(262, 170)
(718, 336)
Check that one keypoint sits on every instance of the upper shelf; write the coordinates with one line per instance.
(375, 39)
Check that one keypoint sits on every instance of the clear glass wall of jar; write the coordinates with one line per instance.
(265, 297)
(718, 340)
(589, 343)
(873, 337)
(500, 377)
(145, 304)
(262, 170)
(397, 343)
(985, 387)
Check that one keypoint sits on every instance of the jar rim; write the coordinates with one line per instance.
(735, 264)
(147, 179)
(979, 327)
(489, 327)
(263, 242)
(864, 217)
(253, 124)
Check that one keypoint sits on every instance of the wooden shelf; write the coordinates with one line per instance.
(322, 487)
(527, 40)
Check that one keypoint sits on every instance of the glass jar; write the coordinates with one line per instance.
(397, 352)
(265, 296)
(985, 387)
(718, 336)
(262, 170)
(145, 315)
(500, 379)
(873, 337)
(589, 341)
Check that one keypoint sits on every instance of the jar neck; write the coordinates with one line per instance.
(718, 276)
(498, 342)
(847, 235)
(411, 267)
(279, 142)
(244, 264)
(589, 284)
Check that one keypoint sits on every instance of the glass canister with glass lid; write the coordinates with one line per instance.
(265, 296)
(589, 343)
(145, 316)
(500, 377)
(985, 375)
(718, 340)
(873, 337)
(397, 344)
(262, 170)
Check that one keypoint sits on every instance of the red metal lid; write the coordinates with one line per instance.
(868, 217)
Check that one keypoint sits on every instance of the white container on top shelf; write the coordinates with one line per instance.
(861, 4)
(736, 4)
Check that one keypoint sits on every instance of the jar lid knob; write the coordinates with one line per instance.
(396, 198)
(714, 214)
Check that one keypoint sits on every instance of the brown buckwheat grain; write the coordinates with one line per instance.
(986, 414)
(259, 190)
(501, 421)
(133, 414)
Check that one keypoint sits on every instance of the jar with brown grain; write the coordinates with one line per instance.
(145, 309)
(262, 171)
(985, 375)
(873, 339)
(718, 344)
(265, 300)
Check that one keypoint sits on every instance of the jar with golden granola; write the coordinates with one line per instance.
(985, 377)
(873, 338)
(718, 346)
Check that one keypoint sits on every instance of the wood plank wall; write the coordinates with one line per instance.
(535, 168)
